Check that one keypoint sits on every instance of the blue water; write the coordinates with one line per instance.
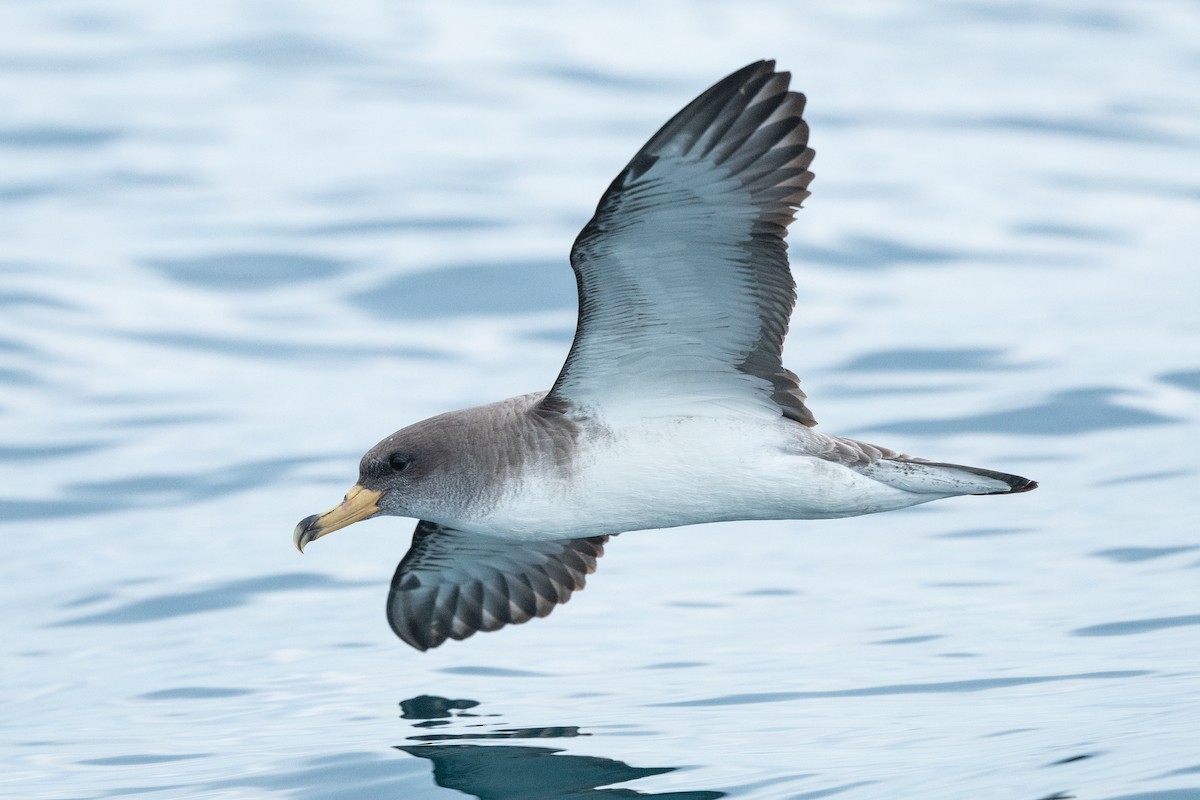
(239, 243)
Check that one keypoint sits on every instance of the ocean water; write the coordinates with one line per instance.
(239, 243)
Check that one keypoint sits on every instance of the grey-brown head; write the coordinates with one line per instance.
(415, 472)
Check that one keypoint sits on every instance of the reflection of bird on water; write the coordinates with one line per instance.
(673, 406)
(515, 772)
(519, 772)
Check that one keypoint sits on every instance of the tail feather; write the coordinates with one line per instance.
(933, 477)
(1016, 484)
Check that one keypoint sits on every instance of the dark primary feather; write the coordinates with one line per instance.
(451, 584)
(683, 273)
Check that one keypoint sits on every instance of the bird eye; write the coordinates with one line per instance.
(398, 462)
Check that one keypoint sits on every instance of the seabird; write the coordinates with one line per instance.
(673, 406)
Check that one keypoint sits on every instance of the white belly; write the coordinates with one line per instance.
(682, 472)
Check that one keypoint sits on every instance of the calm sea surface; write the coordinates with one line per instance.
(239, 243)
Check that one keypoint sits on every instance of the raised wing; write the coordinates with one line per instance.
(684, 286)
(451, 585)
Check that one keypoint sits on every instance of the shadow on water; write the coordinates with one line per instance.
(520, 772)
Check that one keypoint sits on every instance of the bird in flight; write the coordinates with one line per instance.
(673, 407)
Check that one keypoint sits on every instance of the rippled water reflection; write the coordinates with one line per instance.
(242, 243)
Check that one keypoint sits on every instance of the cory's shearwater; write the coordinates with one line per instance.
(673, 406)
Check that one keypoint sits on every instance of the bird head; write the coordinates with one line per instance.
(411, 473)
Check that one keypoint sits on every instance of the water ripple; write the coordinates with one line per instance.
(333, 777)
(1162, 794)
(387, 225)
(53, 136)
(140, 759)
(970, 359)
(494, 672)
(155, 489)
(978, 685)
(273, 349)
(39, 452)
(1131, 554)
(1099, 128)
(284, 51)
(1135, 626)
(872, 252)
(229, 594)
(464, 289)
(1074, 411)
(1189, 379)
(911, 639)
(236, 271)
(196, 693)
(976, 533)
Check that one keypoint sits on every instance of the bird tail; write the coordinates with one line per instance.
(933, 477)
